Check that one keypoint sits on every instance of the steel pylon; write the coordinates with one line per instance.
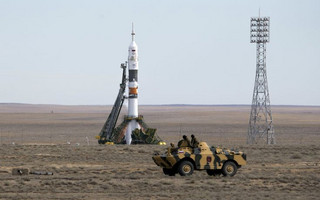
(260, 122)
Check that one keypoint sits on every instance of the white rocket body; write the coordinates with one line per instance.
(133, 88)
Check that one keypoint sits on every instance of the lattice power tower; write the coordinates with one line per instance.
(260, 124)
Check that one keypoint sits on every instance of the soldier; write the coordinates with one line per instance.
(180, 141)
(194, 141)
(185, 142)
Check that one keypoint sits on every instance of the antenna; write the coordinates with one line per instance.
(133, 33)
(179, 132)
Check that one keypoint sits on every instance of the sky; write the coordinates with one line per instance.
(190, 51)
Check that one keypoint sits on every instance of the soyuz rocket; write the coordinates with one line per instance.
(132, 88)
(110, 134)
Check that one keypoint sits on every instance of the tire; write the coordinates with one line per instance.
(213, 172)
(170, 172)
(229, 169)
(185, 168)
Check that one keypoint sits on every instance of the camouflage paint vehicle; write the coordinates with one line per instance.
(215, 161)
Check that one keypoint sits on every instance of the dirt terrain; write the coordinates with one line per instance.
(60, 139)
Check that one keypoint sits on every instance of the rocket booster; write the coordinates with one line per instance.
(133, 78)
(133, 88)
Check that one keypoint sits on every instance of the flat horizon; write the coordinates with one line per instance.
(40, 104)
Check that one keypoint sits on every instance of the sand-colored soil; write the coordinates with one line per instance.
(36, 139)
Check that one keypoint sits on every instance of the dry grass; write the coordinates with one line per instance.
(288, 170)
(121, 172)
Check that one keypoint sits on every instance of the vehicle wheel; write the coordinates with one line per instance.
(229, 169)
(213, 172)
(185, 168)
(170, 172)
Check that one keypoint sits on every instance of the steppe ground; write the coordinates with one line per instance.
(60, 139)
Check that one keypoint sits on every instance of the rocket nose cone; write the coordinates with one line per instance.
(133, 45)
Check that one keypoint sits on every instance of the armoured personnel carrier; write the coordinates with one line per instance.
(216, 161)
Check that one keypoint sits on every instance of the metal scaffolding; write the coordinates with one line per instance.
(260, 123)
(109, 125)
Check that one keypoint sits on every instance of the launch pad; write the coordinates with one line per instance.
(144, 135)
(110, 134)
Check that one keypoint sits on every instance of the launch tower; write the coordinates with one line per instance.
(260, 123)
